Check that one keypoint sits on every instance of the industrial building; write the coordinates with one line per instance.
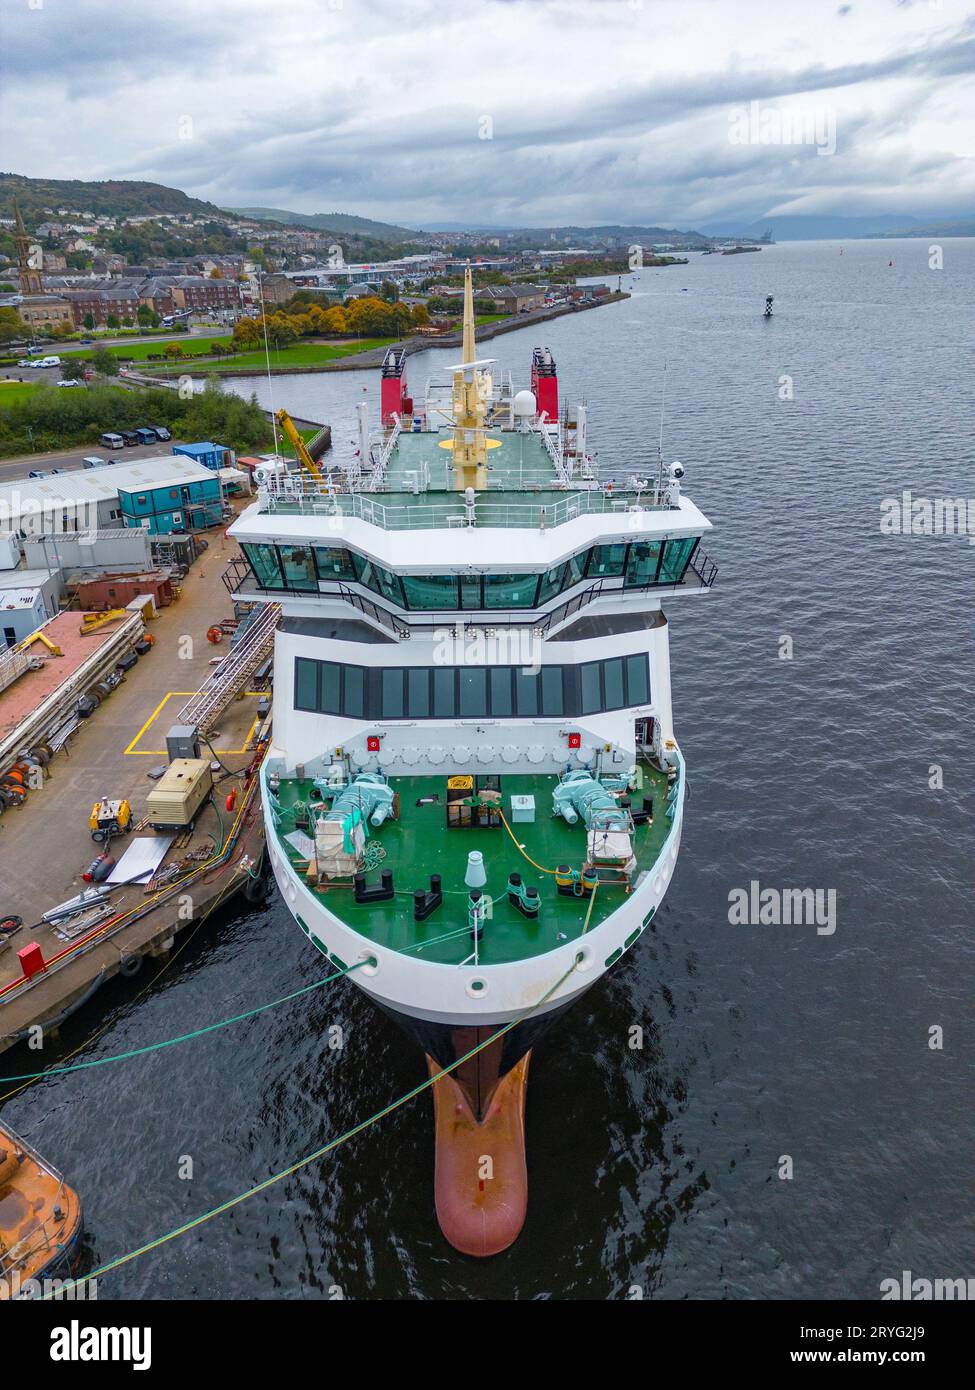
(91, 500)
(28, 597)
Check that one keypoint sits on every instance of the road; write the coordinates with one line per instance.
(14, 468)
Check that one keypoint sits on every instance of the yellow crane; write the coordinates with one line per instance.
(308, 463)
(38, 636)
(91, 622)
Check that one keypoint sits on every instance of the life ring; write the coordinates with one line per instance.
(215, 634)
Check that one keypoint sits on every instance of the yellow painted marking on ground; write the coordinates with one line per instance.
(133, 752)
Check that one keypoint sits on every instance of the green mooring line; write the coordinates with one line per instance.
(183, 1037)
(309, 1158)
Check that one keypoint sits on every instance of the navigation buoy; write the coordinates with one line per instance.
(768, 307)
(890, 263)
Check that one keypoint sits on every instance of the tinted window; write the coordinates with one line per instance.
(500, 682)
(418, 698)
(353, 702)
(472, 685)
(509, 590)
(591, 698)
(330, 693)
(637, 681)
(552, 699)
(443, 693)
(613, 683)
(306, 684)
(393, 695)
(526, 693)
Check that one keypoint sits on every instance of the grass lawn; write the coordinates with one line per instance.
(295, 355)
(13, 392)
(138, 352)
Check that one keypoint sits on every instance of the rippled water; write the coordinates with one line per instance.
(655, 1167)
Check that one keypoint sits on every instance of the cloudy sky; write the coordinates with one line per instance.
(503, 112)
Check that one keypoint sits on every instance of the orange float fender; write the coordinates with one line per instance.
(214, 634)
(231, 801)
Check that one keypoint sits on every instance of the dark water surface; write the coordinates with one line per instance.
(656, 1167)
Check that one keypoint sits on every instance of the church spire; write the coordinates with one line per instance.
(28, 271)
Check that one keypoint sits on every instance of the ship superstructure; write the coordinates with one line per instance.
(474, 793)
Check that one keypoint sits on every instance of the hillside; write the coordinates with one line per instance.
(343, 222)
(110, 198)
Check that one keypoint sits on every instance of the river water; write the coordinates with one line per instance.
(656, 1167)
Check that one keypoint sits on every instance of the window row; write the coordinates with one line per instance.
(470, 692)
(302, 569)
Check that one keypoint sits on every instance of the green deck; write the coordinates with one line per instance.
(515, 459)
(419, 844)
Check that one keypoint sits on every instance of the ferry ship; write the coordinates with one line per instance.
(473, 793)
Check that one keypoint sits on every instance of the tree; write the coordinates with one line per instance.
(73, 369)
(389, 291)
(112, 321)
(89, 321)
(246, 334)
(216, 273)
(104, 362)
(144, 315)
(419, 317)
(336, 321)
(11, 326)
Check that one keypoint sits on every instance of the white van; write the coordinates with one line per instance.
(93, 461)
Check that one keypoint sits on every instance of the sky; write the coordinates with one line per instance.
(503, 112)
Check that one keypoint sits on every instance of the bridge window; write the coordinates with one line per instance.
(641, 564)
(469, 692)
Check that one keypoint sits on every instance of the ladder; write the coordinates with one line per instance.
(230, 678)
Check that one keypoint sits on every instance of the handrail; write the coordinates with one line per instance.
(704, 567)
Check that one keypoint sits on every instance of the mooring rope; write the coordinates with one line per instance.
(183, 1037)
(309, 1158)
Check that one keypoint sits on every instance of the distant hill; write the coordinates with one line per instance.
(578, 236)
(960, 226)
(109, 198)
(816, 228)
(343, 222)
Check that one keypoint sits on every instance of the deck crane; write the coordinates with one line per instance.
(305, 453)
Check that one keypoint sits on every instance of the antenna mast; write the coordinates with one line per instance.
(660, 438)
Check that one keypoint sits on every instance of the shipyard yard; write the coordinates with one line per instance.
(46, 843)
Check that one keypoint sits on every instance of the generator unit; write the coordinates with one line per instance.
(178, 795)
(183, 741)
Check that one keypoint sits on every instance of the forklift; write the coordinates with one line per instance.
(109, 818)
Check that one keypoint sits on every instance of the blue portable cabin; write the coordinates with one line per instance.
(213, 456)
(186, 497)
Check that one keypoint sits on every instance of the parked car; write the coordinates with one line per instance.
(93, 461)
(130, 438)
(161, 432)
(71, 383)
(37, 473)
(112, 441)
(147, 436)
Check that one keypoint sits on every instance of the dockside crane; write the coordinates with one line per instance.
(305, 453)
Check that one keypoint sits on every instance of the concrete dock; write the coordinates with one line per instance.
(45, 844)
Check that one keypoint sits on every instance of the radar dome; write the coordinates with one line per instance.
(525, 404)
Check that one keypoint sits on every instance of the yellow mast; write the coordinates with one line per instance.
(469, 442)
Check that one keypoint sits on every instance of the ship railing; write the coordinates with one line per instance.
(385, 453)
(704, 567)
(450, 511)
